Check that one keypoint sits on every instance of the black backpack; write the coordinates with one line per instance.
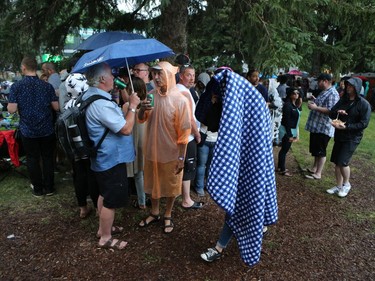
(71, 130)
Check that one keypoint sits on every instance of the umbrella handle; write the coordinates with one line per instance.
(130, 78)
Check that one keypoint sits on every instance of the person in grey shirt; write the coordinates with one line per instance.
(49, 69)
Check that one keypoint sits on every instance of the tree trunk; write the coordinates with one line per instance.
(174, 17)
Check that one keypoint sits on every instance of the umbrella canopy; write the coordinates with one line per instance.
(124, 53)
(105, 38)
(295, 72)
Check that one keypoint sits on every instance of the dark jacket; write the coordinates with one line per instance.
(290, 118)
(359, 114)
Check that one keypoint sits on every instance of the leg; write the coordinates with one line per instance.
(202, 159)
(138, 178)
(339, 178)
(33, 155)
(189, 173)
(320, 165)
(154, 216)
(285, 146)
(225, 237)
(100, 207)
(345, 172)
(211, 145)
(93, 185)
(186, 199)
(106, 219)
(168, 214)
(215, 253)
(80, 182)
(48, 147)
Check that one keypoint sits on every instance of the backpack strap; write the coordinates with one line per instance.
(86, 103)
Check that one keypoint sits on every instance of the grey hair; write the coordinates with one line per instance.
(94, 73)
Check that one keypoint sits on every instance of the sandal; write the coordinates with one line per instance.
(154, 219)
(115, 230)
(170, 225)
(196, 205)
(286, 173)
(113, 244)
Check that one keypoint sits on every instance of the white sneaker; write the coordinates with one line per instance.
(343, 192)
(333, 190)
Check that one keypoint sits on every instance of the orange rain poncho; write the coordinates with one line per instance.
(168, 125)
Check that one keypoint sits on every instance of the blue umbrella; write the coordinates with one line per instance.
(124, 53)
(105, 38)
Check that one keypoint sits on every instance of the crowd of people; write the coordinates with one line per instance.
(172, 131)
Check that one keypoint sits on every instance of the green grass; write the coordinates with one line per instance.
(301, 148)
(364, 153)
(16, 195)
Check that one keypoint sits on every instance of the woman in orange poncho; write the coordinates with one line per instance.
(168, 128)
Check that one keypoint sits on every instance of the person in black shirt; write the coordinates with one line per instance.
(289, 122)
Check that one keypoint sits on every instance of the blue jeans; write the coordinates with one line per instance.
(225, 236)
(205, 154)
(139, 185)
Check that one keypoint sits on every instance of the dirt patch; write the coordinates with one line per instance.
(318, 237)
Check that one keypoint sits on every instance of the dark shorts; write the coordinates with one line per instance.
(190, 164)
(342, 152)
(318, 144)
(113, 186)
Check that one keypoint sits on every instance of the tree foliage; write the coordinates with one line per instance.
(313, 35)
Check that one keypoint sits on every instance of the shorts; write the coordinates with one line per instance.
(318, 144)
(113, 186)
(190, 164)
(342, 152)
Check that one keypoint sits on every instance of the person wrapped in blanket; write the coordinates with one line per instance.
(241, 178)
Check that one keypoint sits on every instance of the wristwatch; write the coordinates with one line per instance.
(132, 109)
(181, 158)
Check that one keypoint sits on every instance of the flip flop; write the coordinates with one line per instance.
(113, 244)
(312, 177)
(308, 170)
(196, 205)
(155, 218)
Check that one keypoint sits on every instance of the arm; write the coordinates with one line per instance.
(181, 158)
(287, 115)
(313, 106)
(364, 117)
(55, 105)
(194, 128)
(183, 129)
(12, 107)
(130, 115)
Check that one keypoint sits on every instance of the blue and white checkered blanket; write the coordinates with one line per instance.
(241, 178)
